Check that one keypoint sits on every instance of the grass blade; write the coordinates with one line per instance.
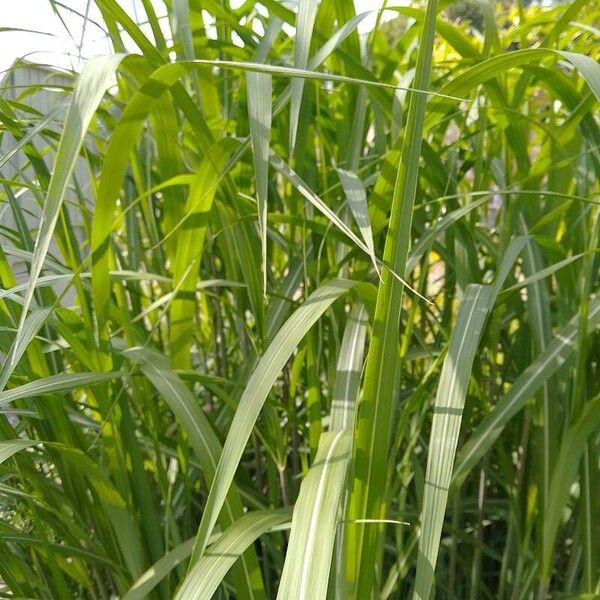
(206, 574)
(564, 474)
(10, 447)
(528, 383)
(89, 91)
(349, 368)
(159, 570)
(259, 113)
(28, 329)
(316, 513)
(305, 21)
(357, 199)
(255, 395)
(205, 443)
(372, 430)
(65, 382)
(449, 403)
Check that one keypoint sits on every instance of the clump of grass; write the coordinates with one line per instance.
(305, 315)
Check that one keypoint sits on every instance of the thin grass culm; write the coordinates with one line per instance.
(300, 301)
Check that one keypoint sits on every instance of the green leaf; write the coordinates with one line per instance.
(207, 573)
(523, 388)
(428, 238)
(540, 324)
(374, 421)
(305, 21)
(28, 329)
(541, 274)
(190, 236)
(564, 474)
(588, 68)
(349, 368)
(259, 113)
(494, 66)
(122, 522)
(159, 570)
(64, 382)
(357, 200)
(89, 91)
(10, 447)
(205, 443)
(255, 394)
(449, 403)
(280, 165)
(316, 515)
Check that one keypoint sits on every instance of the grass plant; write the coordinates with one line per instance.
(307, 314)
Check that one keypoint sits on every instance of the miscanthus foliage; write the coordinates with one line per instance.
(291, 312)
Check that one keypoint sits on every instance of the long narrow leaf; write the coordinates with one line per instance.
(316, 514)
(91, 87)
(524, 387)
(449, 404)
(206, 575)
(255, 395)
(307, 12)
(259, 112)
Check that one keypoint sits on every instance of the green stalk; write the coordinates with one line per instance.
(588, 499)
(373, 425)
